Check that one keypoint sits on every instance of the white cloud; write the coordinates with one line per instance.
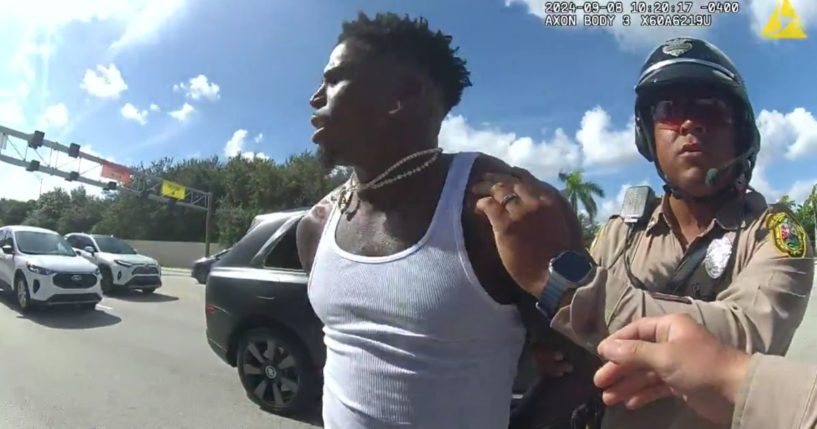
(793, 134)
(633, 37)
(12, 114)
(105, 82)
(199, 88)
(603, 145)
(597, 144)
(183, 113)
(55, 116)
(154, 107)
(259, 138)
(761, 10)
(235, 146)
(801, 189)
(236, 143)
(144, 21)
(544, 159)
(129, 111)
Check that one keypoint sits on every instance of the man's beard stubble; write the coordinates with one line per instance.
(327, 159)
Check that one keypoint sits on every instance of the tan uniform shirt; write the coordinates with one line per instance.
(755, 305)
(777, 393)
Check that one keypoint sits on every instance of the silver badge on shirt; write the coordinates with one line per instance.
(717, 256)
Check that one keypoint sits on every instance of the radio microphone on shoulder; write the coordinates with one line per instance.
(713, 174)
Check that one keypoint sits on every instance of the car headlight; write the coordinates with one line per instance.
(39, 270)
(123, 263)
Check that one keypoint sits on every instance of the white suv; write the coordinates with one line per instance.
(41, 268)
(121, 265)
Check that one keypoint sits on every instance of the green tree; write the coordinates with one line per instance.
(789, 203)
(577, 190)
(589, 229)
(15, 212)
(50, 208)
(806, 213)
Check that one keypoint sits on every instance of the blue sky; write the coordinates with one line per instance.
(140, 80)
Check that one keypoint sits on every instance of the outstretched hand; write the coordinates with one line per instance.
(657, 357)
(530, 224)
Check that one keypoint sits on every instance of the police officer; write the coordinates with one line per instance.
(710, 247)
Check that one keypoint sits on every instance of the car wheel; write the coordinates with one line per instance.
(107, 282)
(22, 295)
(276, 372)
(149, 290)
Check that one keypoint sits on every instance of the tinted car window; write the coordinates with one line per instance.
(284, 254)
(41, 243)
(73, 241)
(113, 245)
(248, 247)
(85, 242)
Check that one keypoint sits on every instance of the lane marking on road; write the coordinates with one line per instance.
(104, 307)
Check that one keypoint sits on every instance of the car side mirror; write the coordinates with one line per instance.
(8, 250)
(89, 249)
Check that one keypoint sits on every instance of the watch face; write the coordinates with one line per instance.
(572, 266)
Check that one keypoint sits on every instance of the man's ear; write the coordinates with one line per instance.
(411, 90)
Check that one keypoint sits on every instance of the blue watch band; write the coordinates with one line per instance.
(567, 271)
(548, 303)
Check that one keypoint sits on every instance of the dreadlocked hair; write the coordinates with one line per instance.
(411, 39)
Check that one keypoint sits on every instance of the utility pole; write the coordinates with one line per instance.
(207, 222)
(814, 208)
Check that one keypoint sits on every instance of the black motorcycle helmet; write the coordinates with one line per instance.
(688, 61)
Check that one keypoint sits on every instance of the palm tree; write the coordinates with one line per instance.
(788, 202)
(576, 190)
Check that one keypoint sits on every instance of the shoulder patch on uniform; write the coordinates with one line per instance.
(789, 237)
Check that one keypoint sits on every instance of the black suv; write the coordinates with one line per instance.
(259, 319)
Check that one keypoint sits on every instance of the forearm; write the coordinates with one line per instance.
(749, 321)
(776, 393)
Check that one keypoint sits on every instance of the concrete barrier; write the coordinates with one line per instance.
(173, 254)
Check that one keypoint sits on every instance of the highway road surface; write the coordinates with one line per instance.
(139, 361)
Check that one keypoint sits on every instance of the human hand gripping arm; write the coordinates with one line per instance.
(656, 357)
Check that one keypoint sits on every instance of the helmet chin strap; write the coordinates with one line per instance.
(730, 191)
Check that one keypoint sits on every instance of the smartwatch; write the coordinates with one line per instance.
(567, 271)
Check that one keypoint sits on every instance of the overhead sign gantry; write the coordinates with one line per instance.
(22, 149)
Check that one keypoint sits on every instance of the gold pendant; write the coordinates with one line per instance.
(344, 200)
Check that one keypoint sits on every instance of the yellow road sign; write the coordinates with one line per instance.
(173, 190)
(784, 23)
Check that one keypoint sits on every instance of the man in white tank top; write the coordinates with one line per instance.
(423, 325)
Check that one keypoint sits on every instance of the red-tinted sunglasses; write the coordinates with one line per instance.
(709, 110)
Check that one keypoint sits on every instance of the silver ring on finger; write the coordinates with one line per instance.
(508, 198)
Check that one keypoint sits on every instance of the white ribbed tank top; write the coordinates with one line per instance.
(412, 339)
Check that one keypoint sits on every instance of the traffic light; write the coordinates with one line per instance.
(33, 166)
(74, 175)
(110, 186)
(73, 150)
(36, 139)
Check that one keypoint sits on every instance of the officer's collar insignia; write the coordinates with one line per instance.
(717, 256)
(789, 237)
(677, 47)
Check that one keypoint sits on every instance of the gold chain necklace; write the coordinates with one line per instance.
(345, 197)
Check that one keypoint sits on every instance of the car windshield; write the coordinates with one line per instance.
(114, 245)
(42, 243)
